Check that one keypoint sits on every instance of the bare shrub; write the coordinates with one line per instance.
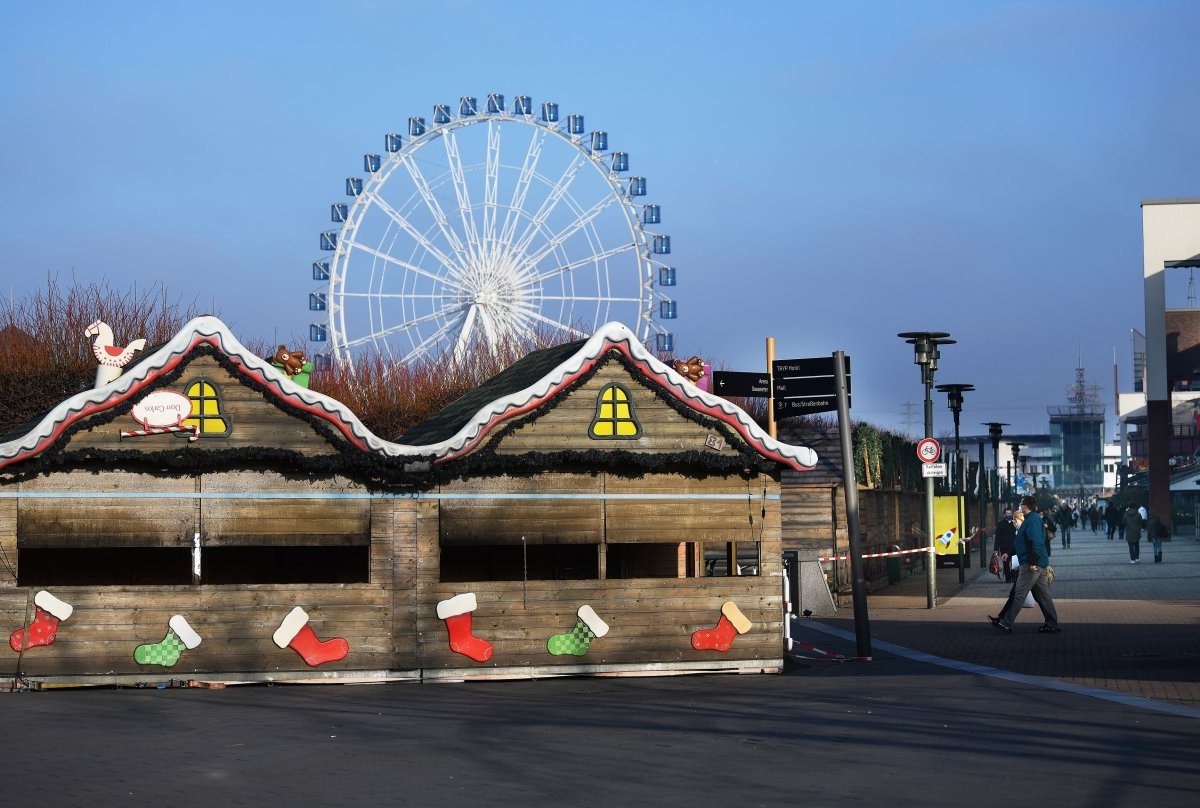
(45, 356)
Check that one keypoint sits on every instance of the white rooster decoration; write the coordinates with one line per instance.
(110, 357)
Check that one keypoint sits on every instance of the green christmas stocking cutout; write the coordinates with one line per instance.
(180, 637)
(588, 627)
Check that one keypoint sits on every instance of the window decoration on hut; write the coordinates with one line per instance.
(44, 629)
(578, 640)
(180, 637)
(721, 636)
(208, 411)
(615, 419)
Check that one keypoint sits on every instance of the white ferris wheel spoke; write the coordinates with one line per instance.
(413, 233)
(556, 324)
(435, 209)
(423, 348)
(396, 329)
(528, 171)
(461, 192)
(549, 203)
(410, 267)
(490, 186)
(464, 334)
(561, 236)
(565, 268)
(591, 299)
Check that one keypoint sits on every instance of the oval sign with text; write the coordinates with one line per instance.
(929, 450)
(162, 408)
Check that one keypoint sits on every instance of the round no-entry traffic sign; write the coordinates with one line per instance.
(929, 450)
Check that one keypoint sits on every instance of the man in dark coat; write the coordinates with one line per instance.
(1031, 548)
(1005, 543)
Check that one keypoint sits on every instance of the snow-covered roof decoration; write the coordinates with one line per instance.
(455, 432)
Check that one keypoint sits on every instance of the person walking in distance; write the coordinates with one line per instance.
(1064, 525)
(1005, 543)
(1132, 522)
(1157, 530)
(1031, 548)
(1111, 517)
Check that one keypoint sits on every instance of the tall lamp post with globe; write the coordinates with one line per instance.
(926, 354)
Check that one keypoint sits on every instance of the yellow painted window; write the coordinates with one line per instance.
(615, 418)
(208, 411)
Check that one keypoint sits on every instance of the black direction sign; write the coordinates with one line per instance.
(811, 386)
(787, 407)
(806, 385)
(816, 366)
(732, 383)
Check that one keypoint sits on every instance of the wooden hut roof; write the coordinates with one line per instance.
(528, 385)
(543, 375)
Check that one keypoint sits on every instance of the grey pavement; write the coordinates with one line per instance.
(1128, 628)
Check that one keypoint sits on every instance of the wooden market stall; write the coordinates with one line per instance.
(202, 516)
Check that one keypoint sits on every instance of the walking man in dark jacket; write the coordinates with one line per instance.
(1005, 544)
(1031, 548)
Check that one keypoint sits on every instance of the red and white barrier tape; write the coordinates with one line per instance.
(967, 540)
(163, 430)
(820, 653)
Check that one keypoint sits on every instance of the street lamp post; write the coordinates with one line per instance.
(995, 432)
(1015, 445)
(954, 400)
(926, 354)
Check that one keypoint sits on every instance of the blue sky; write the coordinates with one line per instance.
(830, 173)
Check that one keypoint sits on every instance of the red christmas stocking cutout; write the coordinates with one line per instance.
(731, 624)
(44, 628)
(295, 633)
(456, 611)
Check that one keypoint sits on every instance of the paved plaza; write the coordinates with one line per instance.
(1129, 628)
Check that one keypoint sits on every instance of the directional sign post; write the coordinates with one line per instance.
(733, 383)
(805, 386)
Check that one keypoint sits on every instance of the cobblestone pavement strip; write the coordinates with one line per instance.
(1130, 628)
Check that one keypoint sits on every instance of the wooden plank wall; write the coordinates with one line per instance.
(391, 622)
(281, 521)
(115, 522)
(236, 622)
(501, 521)
(8, 541)
(254, 422)
(651, 620)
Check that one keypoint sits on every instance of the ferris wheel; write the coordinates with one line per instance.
(481, 225)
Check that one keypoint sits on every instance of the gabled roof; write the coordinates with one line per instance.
(452, 433)
(527, 371)
(542, 375)
(141, 375)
